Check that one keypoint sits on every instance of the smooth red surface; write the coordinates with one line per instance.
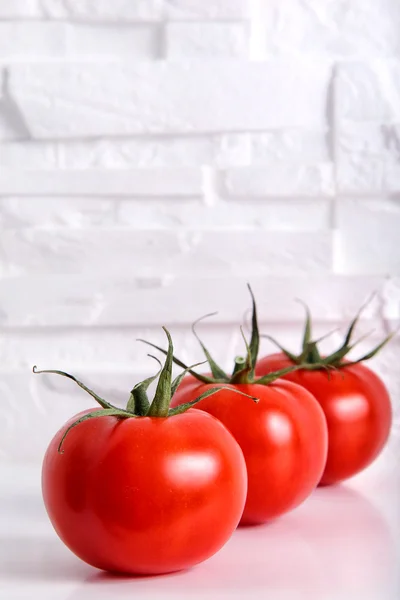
(357, 409)
(283, 439)
(145, 495)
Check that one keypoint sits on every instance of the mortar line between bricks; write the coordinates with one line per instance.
(154, 136)
(122, 23)
(178, 325)
(247, 198)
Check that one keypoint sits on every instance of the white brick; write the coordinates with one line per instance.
(45, 213)
(280, 180)
(144, 10)
(201, 10)
(361, 137)
(367, 237)
(391, 178)
(38, 40)
(73, 251)
(368, 92)
(206, 40)
(145, 97)
(156, 253)
(155, 152)
(309, 215)
(188, 213)
(368, 148)
(31, 40)
(254, 253)
(102, 10)
(368, 155)
(18, 8)
(115, 300)
(232, 150)
(298, 145)
(29, 154)
(101, 42)
(359, 174)
(350, 28)
(214, 150)
(96, 182)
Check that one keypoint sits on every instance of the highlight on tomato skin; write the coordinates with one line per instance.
(283, 438)
(354, 399)
(147, 489)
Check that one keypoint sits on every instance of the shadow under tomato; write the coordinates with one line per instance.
(39, 558)
(110, 576)
(336, 541)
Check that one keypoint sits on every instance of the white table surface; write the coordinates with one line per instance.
(342, 544)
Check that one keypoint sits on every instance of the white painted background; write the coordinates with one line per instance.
(157, 154)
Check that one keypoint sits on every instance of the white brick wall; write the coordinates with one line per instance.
(155, 155)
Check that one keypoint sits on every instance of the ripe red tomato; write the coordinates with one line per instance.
(354, 399)
(145, 495)
(357, 410)
(283, 439)
(146, 489)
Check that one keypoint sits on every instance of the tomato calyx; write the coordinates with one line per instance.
(244, 366)
(138, 404)
(310, 357)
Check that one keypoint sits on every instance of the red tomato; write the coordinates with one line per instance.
(283, 439)
(357, 410)
(145, 494)
(146, 489)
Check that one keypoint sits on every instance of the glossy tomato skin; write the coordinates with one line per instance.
(145, 495)
(357, 408)
(283, 438)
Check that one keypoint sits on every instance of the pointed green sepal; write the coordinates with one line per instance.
(271, 377)
(255, 334)
(218, 373)
(199, 376)
(162, 398)
(95, 414)
(289, 355)
(310, 357)
(336, 357)
(307, 328)
(210, 392)
(242, 372)
(178, 380)
(138, 402)
(355, 320)
(375, 350)
(103, 403)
